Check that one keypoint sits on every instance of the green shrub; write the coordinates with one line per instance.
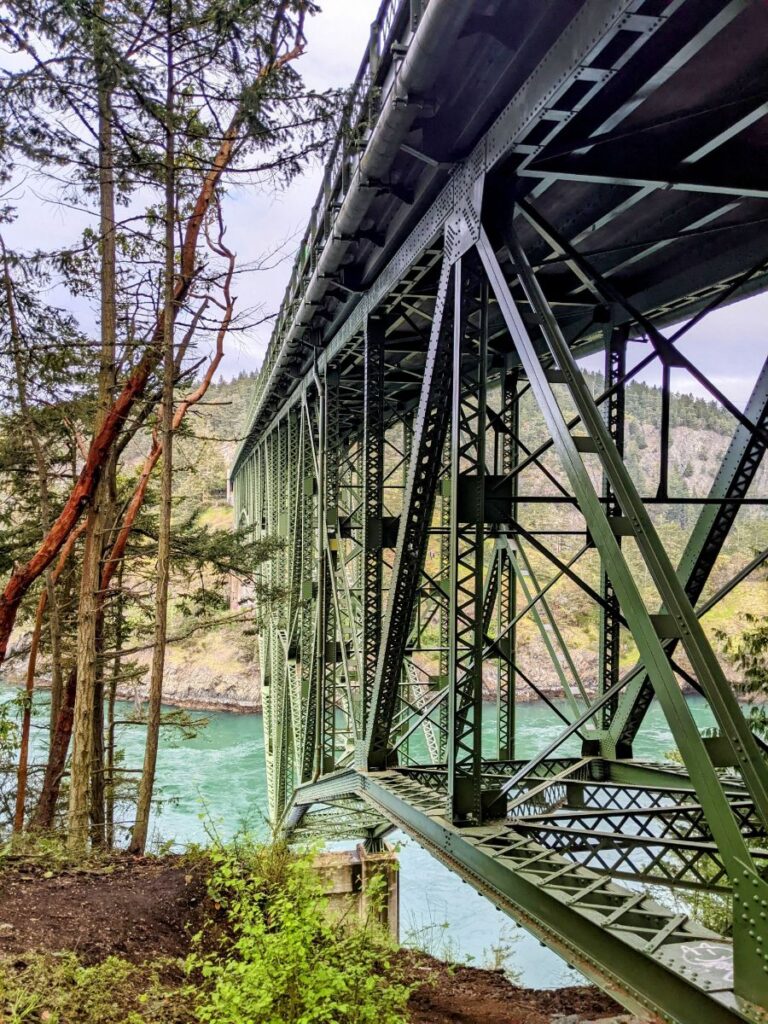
(281, 958)
(59, 989)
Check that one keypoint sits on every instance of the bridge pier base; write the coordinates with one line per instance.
(351, 884)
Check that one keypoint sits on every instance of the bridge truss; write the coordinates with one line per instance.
(448, 483)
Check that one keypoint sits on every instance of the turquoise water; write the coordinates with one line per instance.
(215, 781)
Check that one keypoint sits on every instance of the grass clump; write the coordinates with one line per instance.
(282, 958)
(60, 989)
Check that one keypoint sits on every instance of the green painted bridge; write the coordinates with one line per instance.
(516, 184)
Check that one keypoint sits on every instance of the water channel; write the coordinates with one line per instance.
(215, 781)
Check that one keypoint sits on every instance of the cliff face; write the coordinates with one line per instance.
(209, 672)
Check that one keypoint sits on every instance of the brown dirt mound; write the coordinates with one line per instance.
(469, 995)
(140, 909)
(136, 909)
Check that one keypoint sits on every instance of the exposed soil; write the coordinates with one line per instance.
(469, 995)
(141, 909)
(135, 908)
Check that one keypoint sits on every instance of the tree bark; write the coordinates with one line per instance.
(45, 811)
(21, 782)
(147, 783)
(86, 782)
(117, 660)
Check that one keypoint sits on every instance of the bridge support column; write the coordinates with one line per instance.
(362, 884)
(609, 652)
(430, 427)
(373, 498)
(507, 440)
(467, 536)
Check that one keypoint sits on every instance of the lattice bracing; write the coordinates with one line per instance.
(454, 492)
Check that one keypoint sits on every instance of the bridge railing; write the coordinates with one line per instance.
(352, 134)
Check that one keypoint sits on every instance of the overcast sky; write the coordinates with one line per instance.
(729, 345)
(259, 222)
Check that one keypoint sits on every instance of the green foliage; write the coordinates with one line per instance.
(283, 959)
(60, 989)
(749, 652)
(8, 731)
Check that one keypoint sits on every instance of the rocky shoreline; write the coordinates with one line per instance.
(209, 673)
(212, 673)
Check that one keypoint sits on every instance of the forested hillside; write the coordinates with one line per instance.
(212, 666)
(701, 431)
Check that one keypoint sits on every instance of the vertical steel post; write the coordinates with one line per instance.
(663, 489)
(311, 668)
(430, 426)
(609, 654)
(466, 593)
(507, 599)
(329, 553)
(444, 498)
(373, 503)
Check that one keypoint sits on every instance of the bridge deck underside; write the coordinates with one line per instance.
(457, 500)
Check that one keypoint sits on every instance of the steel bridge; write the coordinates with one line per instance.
(516, 184)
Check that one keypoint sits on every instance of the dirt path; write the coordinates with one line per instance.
(139, 909)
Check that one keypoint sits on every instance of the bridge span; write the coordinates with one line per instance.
(516, 184)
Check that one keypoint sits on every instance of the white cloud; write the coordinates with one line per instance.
(258, 222)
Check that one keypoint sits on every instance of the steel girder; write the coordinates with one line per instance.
(444, 482)
(660, 963)
(561, 827)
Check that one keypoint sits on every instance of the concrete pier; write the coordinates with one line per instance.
(347, 875)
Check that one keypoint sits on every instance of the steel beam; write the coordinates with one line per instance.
(430, 429)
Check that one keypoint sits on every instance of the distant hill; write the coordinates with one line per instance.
(700, 433)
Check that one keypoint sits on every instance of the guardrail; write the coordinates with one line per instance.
(354, 129)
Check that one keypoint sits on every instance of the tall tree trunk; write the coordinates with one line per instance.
(45, 811)
(117, 661)
(57, 668)
(85, 671)
(21, 781)
(147, 783)
(86, 783)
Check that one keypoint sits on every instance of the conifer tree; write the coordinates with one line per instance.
(95, 106)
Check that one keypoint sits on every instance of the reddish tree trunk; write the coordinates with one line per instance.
(24, 576)
(57, 757)
(21, 783)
